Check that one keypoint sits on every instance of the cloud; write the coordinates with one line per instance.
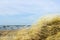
(26, 11)
(16, 7)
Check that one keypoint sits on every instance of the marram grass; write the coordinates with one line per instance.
(47, 28)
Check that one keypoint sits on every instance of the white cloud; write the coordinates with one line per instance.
(36, 8)
(16, 7)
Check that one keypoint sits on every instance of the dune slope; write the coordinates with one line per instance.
(47, 28)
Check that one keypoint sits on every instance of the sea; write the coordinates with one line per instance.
(13, 27)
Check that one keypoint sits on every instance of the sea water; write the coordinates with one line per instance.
(12, 27)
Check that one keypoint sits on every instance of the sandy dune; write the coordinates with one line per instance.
(47, 28)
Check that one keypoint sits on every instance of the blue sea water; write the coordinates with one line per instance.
(12, 27)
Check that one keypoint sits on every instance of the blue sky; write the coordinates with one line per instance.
(26, 11)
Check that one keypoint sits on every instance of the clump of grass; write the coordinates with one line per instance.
(45, 29)
(46, 26)
(54, 37)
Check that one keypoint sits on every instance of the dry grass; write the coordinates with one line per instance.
(47, 28)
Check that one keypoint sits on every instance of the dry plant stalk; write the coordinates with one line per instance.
(47, 28)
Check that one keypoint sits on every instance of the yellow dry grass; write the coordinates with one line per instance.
(47, 28)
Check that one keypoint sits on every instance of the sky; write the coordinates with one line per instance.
(19, 12)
